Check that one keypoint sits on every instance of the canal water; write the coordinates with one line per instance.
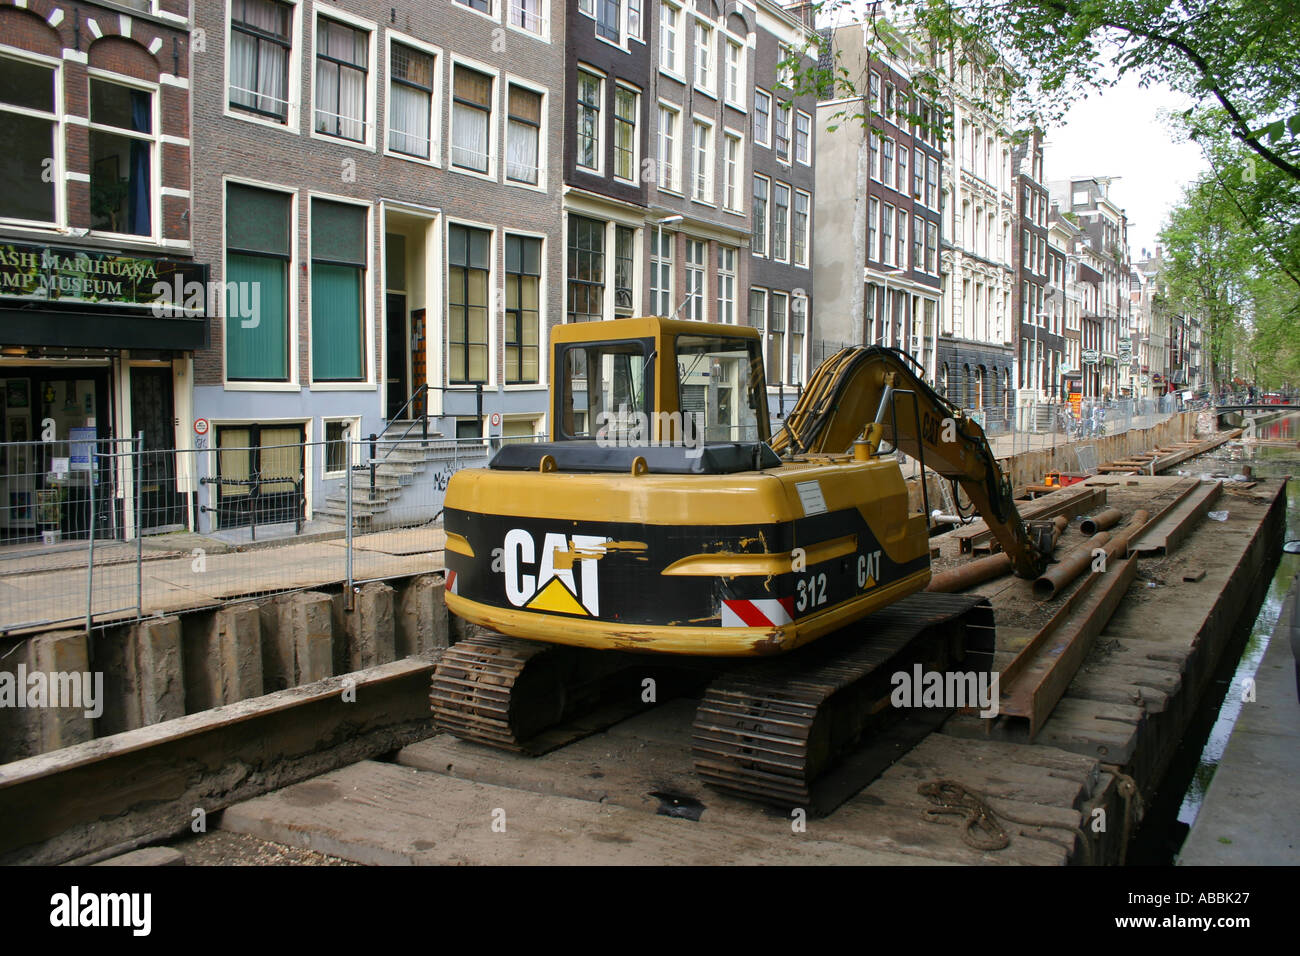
(1174, 810)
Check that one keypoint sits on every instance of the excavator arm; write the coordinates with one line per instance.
(877, 395)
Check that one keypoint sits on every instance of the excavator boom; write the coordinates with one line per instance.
(877, 395)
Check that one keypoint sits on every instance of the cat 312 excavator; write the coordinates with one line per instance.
(664, 519)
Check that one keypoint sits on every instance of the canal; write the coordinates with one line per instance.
(1274, 454)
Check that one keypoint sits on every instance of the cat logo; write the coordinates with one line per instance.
(550, 582)
(868, 570)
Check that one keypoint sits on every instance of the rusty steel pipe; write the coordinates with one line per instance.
(1101, 521)
(1118, 546)
(1068, 568)
(985, 569)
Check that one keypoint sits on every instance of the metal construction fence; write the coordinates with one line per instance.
(103, 531)
(100, 531)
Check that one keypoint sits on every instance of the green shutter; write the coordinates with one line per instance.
(256, 343)
(335, 323)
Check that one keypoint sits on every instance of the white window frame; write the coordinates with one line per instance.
(372, 74)
(705, 57)
(59, 164)
(734, 94)
(786, 110)
(733, 172)
(789, 212)
(543, 32)
(493, 11)
(599, 75)
(368, 383)
(807, 236)
(705, 196)
(155, 150)
(293, 111)
(636, 132)
(675, 67)
(493, 121)
(352, 434)
(697, 293)
(727, 302)
(766, 140)
(673, 183)
(767, 215)
(292, 317)
(510, 80)
(806, 159)
(495, 305)
(435, 99)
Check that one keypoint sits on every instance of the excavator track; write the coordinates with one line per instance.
(775, 731)
(530, 697)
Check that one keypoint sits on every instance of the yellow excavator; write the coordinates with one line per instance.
(664, 523)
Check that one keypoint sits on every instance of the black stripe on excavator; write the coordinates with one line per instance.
(612, 571)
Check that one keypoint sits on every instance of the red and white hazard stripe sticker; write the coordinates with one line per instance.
(450, 582)
(767, 612)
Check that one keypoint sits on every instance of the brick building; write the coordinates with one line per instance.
(385, 179)
(95, 237)
(1036, 297)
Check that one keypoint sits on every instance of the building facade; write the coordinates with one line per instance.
(880, 228)
(96, 254)
(378, 198)
(1036, 297)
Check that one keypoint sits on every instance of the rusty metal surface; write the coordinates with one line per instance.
(1069, 501)
(1173, 525)
(1068, 568)
(1037, 678)
(1101, 521)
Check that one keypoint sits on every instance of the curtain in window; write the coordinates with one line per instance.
(258, 74)
(352, 104)
(336, 322)
(521, 144)
(408, 121)
(257, 350)
(469, 131)
(139, 202)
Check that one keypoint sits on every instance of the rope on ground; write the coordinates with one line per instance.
(981, 828)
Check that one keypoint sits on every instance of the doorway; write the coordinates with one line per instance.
(260, 475)
(397, 355)
(153, 413)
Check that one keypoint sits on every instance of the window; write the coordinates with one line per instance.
(338, 291)
(528, 15)
(887, 235)
(670, 54)
(29, 128)
(586, 269)
(873, 143)
(258, 228)
(626, 109)
(634, 19)
(931, 182)
(776, 338)
(785, 66)
(918, 243)
(783, 132)
(410, 101)
(727, 284)
(735, 81)
(887, 162)
(762, 110)
(758, 309)
(803, 138)
(523, 134)
(260, 46)
(731, 170)
(903, 153)
(523, 295)
(661, 272)
(121, 158)
(703, 189)
(875, 92)
(781, 222)
(798, 325)
(704, 56)
(697, 257)
(900, 249)
(624, 270)
(799, 227)
(337, 435)
(759, 243)
(589, 95)
(873, 229)
(607, 20)
(341, 63)
(918, 175)
(889, 102)
(471, 115)
(669, 166)
(468, 259)
(931, 247)
(482, 6)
